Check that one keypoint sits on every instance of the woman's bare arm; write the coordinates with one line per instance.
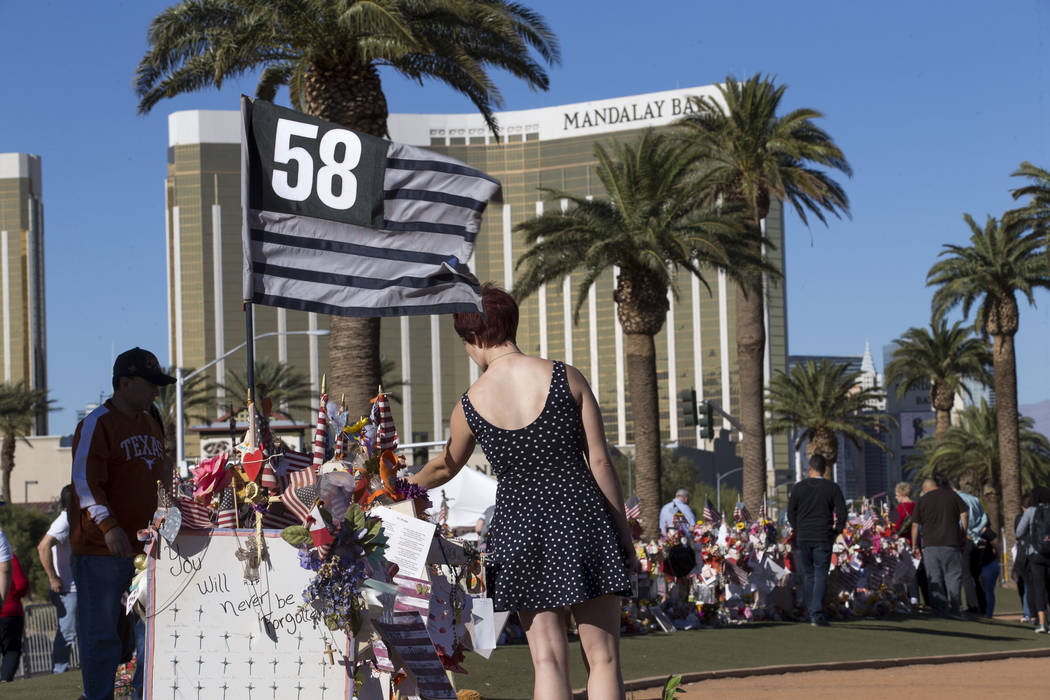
(453, 455)
(597, 450)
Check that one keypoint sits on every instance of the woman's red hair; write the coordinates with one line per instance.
(498, 325)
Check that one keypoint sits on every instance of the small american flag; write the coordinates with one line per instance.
(194, 515)
(278, 517)
(848, 578)
(762, 515)
(711, 513)
(386, 431)
(301, 492)
(740, 513)
(269, 475)
(735, 574)
(633, 508)
(291, 461)
(320, 432)
(227, 509)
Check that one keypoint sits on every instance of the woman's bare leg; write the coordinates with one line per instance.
(599, 627)
(549, 646)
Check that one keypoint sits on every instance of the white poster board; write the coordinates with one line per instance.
(211, 635)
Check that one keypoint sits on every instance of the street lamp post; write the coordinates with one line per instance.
(180, 383)
(718, 484)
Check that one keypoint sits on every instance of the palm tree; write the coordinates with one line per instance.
(328, 53)
(647, 228)
(277, 385)
(198, 403)
(387, 380)
(969, 450)
(819, 400)
(19, 407)
(945, 358)
(1001, 260)
(751, 156)
(1036, 213)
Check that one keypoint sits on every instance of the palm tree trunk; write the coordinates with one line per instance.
(641, 382)
(993, 505)
(750, 350)
(7, 465)
(353, 360)
(1005, 368)
(352, 97)
(943, 422)
(942, 398)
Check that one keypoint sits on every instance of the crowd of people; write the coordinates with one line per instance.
(954, 555)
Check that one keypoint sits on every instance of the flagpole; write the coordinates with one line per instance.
(250, 346)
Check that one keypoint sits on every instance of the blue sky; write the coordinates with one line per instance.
(934, 103)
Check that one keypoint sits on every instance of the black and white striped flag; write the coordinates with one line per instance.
(341, 222)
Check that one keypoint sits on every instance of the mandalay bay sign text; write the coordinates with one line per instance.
(655, 109)
(651, 110)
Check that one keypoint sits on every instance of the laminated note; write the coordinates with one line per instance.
(408, 541)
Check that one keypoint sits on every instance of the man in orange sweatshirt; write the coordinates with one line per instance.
(118, 458)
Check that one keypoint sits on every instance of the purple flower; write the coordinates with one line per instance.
(409, 491)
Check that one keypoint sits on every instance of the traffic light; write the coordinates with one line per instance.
(705, 419)
(687, 406)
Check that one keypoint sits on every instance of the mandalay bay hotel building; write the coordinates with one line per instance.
(546, 147)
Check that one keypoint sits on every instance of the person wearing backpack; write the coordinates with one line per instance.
(1034, 529)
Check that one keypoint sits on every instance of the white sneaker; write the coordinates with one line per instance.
(1040, 630)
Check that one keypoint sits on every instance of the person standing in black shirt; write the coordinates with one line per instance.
(944, 519)
(817, 513)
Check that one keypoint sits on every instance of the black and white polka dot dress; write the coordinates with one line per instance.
(552, 541)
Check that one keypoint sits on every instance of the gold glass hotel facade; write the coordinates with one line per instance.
(547, 147)
(23, 342)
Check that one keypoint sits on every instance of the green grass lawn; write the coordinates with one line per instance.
(508, 674)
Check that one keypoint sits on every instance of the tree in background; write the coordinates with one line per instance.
(1002, 259)
(969, 451)
(198, 405)
(679, 472)
(279, 387)
(328, 53)
(388, 381)
(647, 228)
(946, 358)
(19, 407)
(24, 527)
(1034, 215)
(751, 156)
(822, 400)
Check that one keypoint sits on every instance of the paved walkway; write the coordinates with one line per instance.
(1016, 679)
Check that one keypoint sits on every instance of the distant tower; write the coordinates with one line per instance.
(23, 341)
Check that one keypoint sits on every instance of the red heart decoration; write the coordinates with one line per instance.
(252, 463)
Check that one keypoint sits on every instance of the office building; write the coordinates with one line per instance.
(23, 337)
(546, 147)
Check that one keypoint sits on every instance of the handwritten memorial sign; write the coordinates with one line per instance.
(212, 635)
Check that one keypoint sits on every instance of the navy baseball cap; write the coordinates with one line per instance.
(137, 362)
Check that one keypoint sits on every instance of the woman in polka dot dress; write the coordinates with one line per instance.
(559, 536)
